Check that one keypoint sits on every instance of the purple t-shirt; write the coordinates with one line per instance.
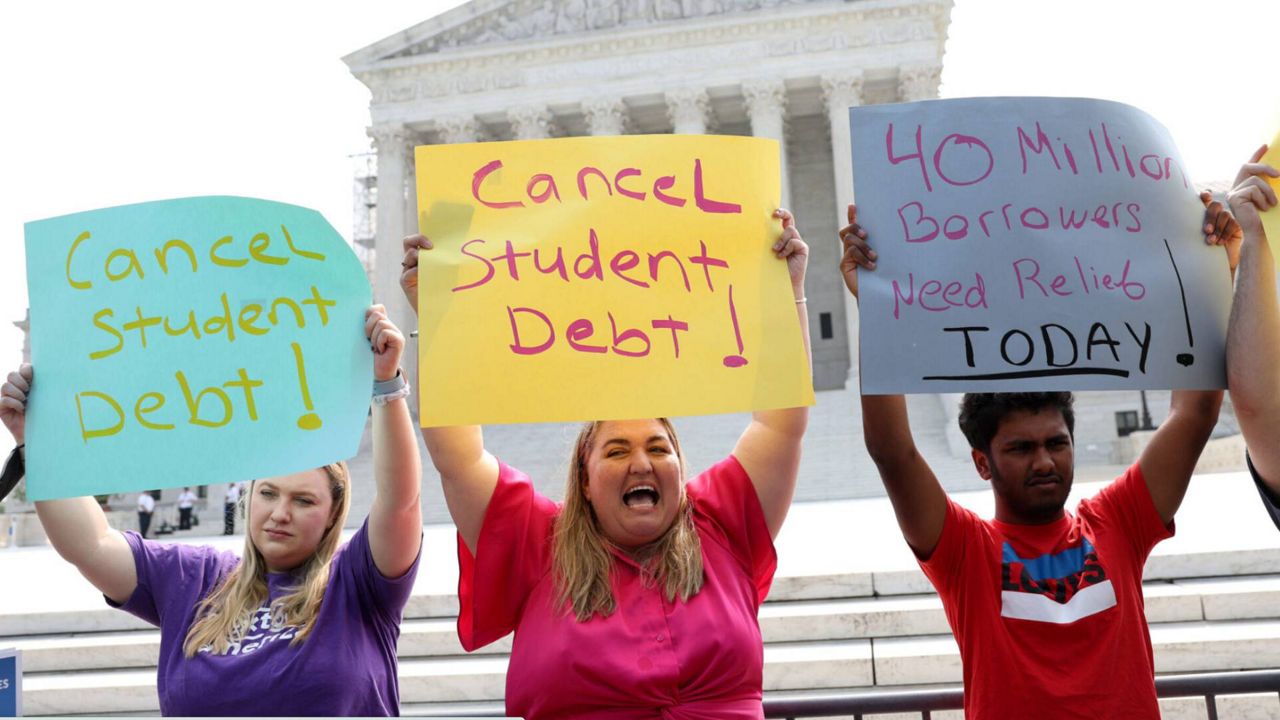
(346, 666)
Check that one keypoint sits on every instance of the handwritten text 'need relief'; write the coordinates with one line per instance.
(1027, 239)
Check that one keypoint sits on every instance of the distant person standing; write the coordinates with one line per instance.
(146, 506)
(229, 509)
(186, 502)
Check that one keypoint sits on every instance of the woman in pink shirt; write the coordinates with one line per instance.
(637, 597)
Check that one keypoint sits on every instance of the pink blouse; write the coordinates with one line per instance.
(651, 658)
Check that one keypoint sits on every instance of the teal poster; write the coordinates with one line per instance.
(191, 341)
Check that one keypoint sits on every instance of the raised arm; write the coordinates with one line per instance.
(1253, 339)
(468, 473)
(77, 527)
(395, 517)
(769, 448)
(919, 502)
(1170, 458)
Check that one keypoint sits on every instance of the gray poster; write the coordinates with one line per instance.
(1032, 244)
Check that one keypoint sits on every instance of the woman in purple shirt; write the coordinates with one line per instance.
(299, 626)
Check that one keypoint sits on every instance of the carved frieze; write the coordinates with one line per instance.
(846, 27)
(529, 19)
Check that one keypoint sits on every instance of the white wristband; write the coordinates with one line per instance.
(385, 391)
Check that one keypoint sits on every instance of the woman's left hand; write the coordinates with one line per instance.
(794, 250)
(386, 340)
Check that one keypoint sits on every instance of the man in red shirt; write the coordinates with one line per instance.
(1045, 604)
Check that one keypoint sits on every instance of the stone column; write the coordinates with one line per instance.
(842, 92)
(392, 143)
(688, 109)
(766, 106)
(411, 184)
(919, 82)
(605, 116)
(532, 122)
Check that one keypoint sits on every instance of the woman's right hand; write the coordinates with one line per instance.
(13, 402)
(857, 253)
(1252, 193)
(413, 244)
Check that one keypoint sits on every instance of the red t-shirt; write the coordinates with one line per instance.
(1049, 618)
(652, 658)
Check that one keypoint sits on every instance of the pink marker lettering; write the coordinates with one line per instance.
(479, 178)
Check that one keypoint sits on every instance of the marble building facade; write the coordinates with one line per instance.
(781, 69)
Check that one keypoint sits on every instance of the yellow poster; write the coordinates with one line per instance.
(603, 278)
(1271, 218)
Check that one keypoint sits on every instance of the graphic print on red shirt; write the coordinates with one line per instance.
(1059, 588)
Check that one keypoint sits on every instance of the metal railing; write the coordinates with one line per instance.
(1209, 686)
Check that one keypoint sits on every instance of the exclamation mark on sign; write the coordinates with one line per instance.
(738, 360)
(309, 421)
(1185, 359)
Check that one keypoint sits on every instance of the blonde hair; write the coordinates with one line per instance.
(582, 556)
(226, 614)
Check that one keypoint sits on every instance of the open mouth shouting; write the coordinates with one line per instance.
(641, 497)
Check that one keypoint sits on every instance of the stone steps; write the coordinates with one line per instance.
(1222, 599)
(790, 666)
(1198, 625)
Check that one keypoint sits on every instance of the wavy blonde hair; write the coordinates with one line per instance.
(226, 614)
(582, 556)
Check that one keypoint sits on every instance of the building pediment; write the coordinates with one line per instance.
(495, 22)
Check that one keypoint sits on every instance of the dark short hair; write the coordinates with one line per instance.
(981, 413)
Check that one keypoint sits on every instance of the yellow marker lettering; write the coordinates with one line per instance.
(248, 385)
(162, 255)
(224, 261)
(320, 304)
(133, 267)
(300, 253)
(252, 310)
(139, 411)
(97, 322)
(219, 323)
(308, 420)
(297, 311)
(258, 250)
(192, 326)
(193, 403)
(141, 325)
(88, 434)
(77, 284)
